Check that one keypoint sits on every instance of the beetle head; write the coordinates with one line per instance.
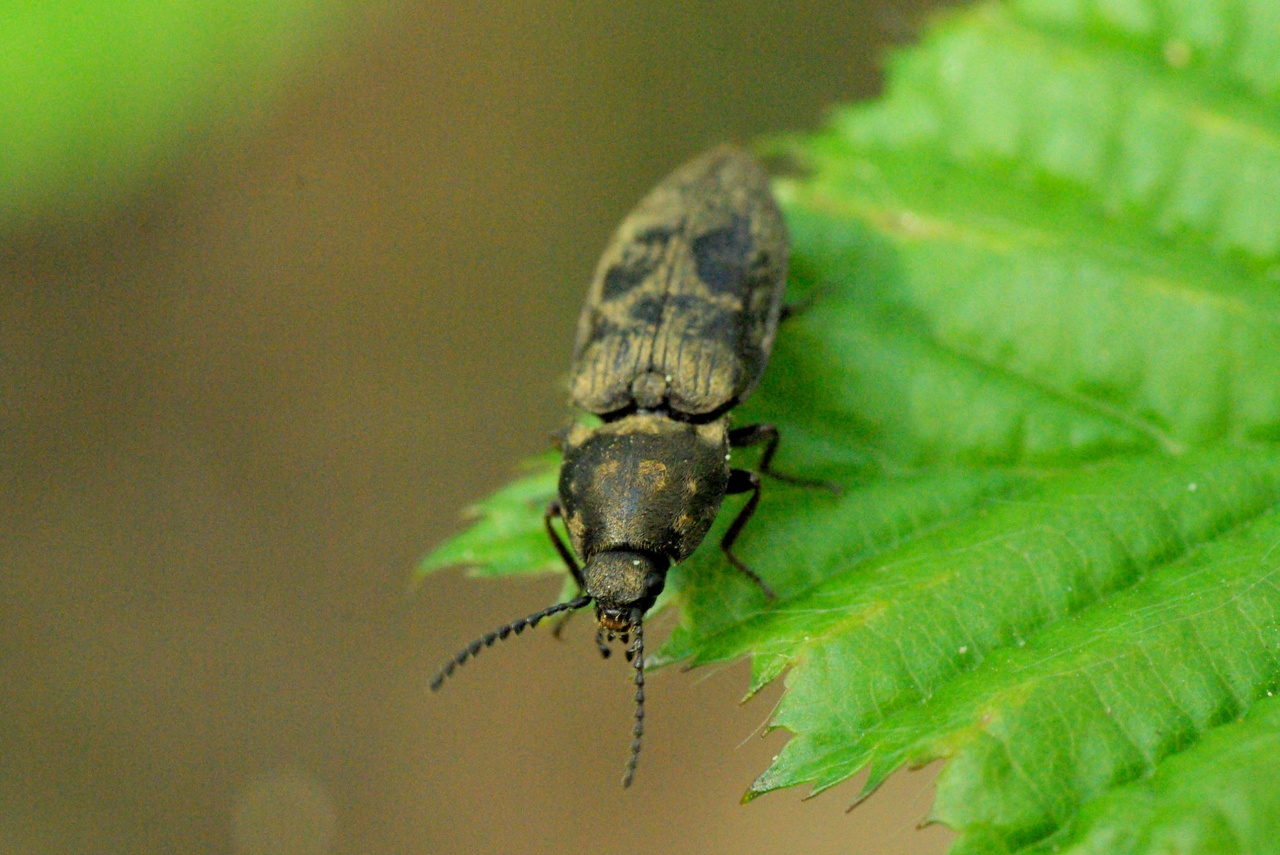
(624, 585)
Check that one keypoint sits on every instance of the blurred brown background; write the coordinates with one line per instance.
(238, 412)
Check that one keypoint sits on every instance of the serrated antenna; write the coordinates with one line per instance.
(636, 654)
(500, 634)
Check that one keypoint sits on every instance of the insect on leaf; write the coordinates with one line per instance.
(1040, 353)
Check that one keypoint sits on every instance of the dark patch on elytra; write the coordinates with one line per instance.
(715, 324)
(624, 276)
(688, 304)
(723, 255)
(639, 261)
(602, 327)
(647, 310)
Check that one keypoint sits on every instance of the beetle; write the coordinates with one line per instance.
(676, 331)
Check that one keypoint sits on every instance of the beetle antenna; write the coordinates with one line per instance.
(500, 634)
(637, 648)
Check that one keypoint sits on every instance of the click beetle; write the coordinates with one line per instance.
(676, 331)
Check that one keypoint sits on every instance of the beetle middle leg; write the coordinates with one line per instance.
(749, 435)
(742, 481)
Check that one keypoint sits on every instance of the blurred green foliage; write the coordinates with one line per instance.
(98, 96)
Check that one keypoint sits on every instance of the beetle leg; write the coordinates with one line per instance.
(790, 310)
(749, 435)
(560, 436)
(554, 510)
(741, 481)
(560, 624)
(600, 645)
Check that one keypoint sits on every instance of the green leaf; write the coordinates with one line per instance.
(508, 537)
(1219, 796)
(1042, 356)
(870, 646)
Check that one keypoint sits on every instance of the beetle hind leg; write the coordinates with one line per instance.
(749, 435)
(742, 481)
(799, 307)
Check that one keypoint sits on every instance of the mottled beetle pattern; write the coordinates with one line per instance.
(676, 331)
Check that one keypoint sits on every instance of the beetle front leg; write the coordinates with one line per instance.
(555, 510)
(740, 481)
(749, 435)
